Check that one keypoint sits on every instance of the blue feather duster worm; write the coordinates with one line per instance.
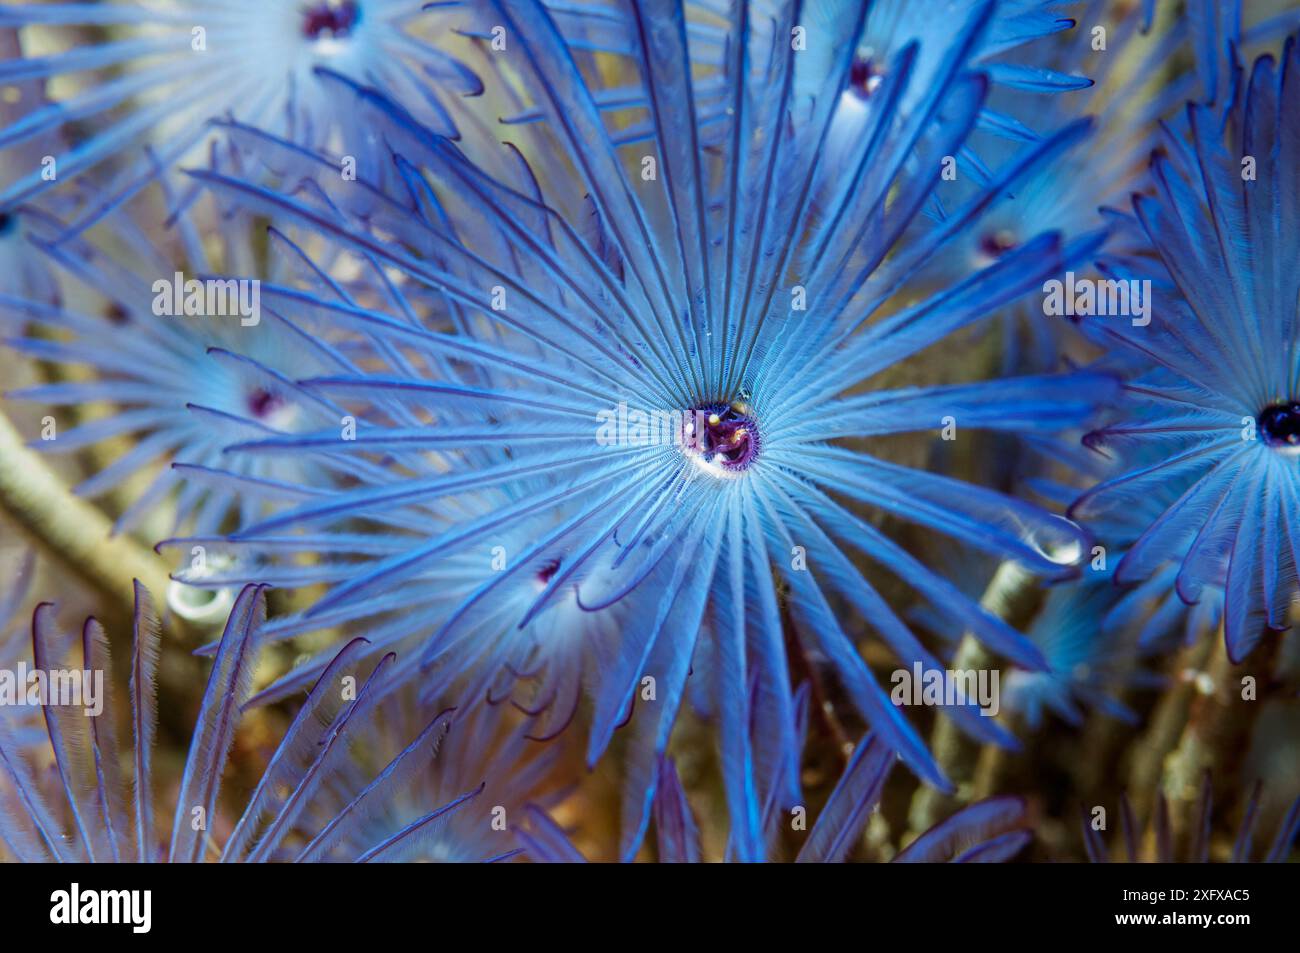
(144, 87)
(185, 379)
(343, 783)
(1218, 410)
(649, 390)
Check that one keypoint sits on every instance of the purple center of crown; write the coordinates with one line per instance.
(723, 434)
(864, 76)
(262, 403)
(997, 244)
(1280, 425)
(548, 570)
(330, 19)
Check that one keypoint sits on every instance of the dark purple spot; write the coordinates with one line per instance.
(7, 222)
(262, 403)
(725, 434)
(864, 76)
(548, 570)
(997, 244)
(1280, 425)
(330, 19)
